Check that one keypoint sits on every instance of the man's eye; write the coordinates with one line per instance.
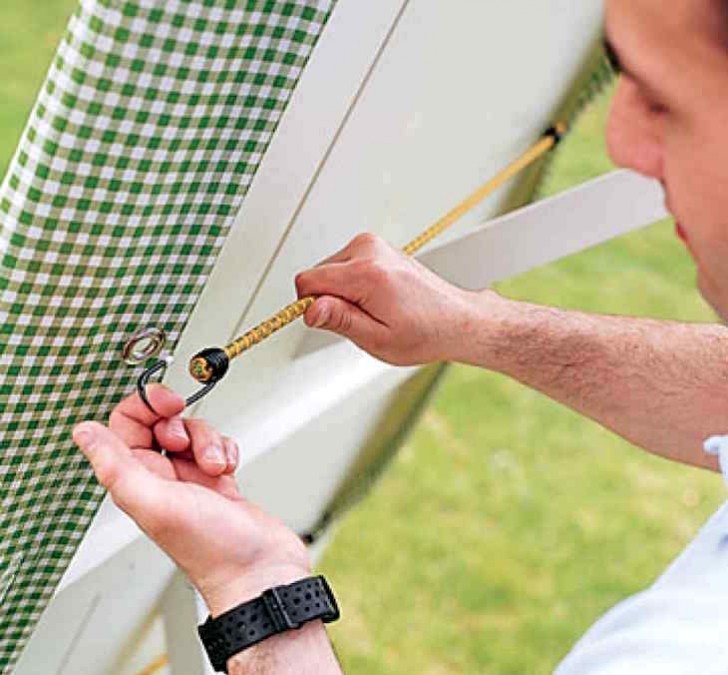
(612, 57)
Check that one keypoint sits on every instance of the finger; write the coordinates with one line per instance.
(342, 255)
(232, 452)
(155, 462)
(171, 434)
(361, 245)
(190, 472)
(345, 319)
(207, 446)
(303, 279)
(166, 403)
(352, 280)
(133, 488)
(365, 243)
(132, 421)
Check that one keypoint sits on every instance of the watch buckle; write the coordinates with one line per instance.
(333, 614)
(277, 610)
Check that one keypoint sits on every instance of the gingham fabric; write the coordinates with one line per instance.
(147, 133)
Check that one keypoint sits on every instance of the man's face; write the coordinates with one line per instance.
(669, 118)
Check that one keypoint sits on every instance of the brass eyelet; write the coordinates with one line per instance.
(143, 345)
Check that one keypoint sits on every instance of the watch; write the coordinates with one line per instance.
(276, 610)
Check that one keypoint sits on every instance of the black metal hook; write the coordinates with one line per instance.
(160, 367)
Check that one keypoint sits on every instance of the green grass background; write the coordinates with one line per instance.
(507, 524)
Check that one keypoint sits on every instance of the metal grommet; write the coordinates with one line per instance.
(143, 345)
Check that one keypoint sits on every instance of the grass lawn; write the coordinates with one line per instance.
(507, 524)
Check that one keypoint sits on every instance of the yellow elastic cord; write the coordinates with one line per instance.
(279, 320)
(513, 169)
(203, 372)
(155, 666)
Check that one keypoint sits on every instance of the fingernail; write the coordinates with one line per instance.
(215, 455)
(322, 318)
(83, 436)
(177, 428)
(231, 448)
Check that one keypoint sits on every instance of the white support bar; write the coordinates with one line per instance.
(180, 615)
(550, 229)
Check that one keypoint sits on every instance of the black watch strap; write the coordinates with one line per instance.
(276, 610)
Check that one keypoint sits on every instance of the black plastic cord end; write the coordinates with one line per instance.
(557, 132)
(209, 365)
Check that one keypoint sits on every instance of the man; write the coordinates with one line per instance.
(663, 386)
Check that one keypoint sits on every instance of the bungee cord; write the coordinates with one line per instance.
(210, 365)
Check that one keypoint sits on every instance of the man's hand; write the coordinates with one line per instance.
(660, 385)
(188, 502)
(389, 304)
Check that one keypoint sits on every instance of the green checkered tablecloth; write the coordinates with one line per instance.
(147, 133)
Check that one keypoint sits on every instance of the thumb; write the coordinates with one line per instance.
(132, 487)
(343, 318)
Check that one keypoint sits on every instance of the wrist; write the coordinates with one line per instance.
(481, 326)
(230, 591)
(306, 651)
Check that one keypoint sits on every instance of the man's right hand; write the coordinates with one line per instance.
(390, 305)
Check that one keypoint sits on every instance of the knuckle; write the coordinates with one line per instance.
(376, 271)
(365, 240)
(193, 423)
(109, 478)
(200, 431)
(341, 321)
(113, 482)
(198, 423)
(360, 271)
(306, 282)
(116, 419)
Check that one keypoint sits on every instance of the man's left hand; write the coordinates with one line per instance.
(188, 502)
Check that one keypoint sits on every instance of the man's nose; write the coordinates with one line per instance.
(634, 131)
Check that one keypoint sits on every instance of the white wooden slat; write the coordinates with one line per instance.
(587, 215)
(90, 625)
(180, 616)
